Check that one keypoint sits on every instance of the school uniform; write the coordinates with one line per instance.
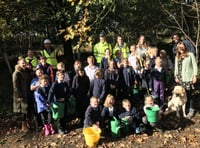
(99, 90)
(111, 78)
(80, 89)
(159, 79)
(92, 115)
(126, 81)
(57, 91)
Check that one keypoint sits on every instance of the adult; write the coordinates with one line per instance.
(31, 59)
(185, 73)
(121, 46)
(142, 47)
(50, 53)
(99, 48)
(20, 92)
(176, 38)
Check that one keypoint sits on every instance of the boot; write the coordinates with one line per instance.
(52, 131)
(191, 113)
(46, 130)
(24, 126)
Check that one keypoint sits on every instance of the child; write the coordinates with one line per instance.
(111, 78)
(92, 114)
(159, 78)
(149, 102)
(126, 80)
(109, 110)
(118, 58)
(99, 90)
(90, 71)
(146, 78)
(130, 115)
(61, 66)
(33, 87)
(59, 94)
(80, 89)
(105, 60)
(41, 98)
(47, 68)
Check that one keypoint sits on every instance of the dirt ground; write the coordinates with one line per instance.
(177, 133)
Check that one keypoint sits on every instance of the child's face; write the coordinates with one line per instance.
(127, 106)
(111, 65)
(133, 48)
(44, 82)
(107, 52)
(158, 63)
(90, 61)
(61, 77)
(125, 63)
(43, 61)
(94, 102)
(38, 73)
(61, 67)
(111, 101)
(149, 101)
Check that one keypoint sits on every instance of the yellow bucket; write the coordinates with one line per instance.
(92, 136)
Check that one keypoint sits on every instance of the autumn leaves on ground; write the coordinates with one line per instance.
(178, 133)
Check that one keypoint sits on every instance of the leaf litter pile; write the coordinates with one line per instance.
(177, 133)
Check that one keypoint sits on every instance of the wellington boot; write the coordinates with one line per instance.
(46, 130)
(52, 131)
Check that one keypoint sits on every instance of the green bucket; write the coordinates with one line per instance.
(115, 127)
(125, 127)
(152, 114)
(57, 109)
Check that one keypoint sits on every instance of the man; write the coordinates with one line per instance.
(176, 38)
(122, 47)
(49, 53)
(31, 59)
(99, 48)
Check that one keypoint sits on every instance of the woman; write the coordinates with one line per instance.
(186, 73)
(20, 93)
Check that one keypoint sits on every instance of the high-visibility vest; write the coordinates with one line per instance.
(99, 50)
(124, 50)
(51, 59)
(33, 61)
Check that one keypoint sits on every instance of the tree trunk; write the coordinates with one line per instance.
(68, 54)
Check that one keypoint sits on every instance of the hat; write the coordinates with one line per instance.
(101, 34)
(47, 41)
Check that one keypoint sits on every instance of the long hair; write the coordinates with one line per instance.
(179, 55)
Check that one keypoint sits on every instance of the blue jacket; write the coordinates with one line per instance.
(41, 96)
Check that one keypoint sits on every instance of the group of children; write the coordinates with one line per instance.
(116, 88)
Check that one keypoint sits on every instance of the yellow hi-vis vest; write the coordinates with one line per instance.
(33, 61)
(51, 59)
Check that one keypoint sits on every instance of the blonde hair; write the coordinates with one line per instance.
(148, 97)
(158, 59)
(93, 98)
(109, 97)
(90, 58)
(125, 101)
(59, 65)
